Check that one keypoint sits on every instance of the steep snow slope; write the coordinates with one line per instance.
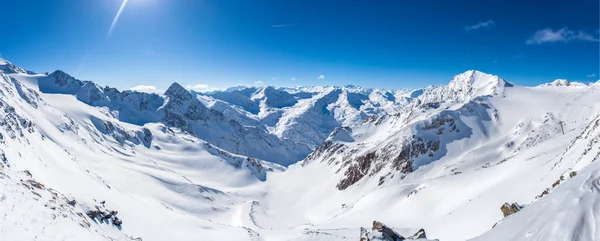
(572, 210)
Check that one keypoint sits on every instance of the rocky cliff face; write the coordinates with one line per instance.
(419, 134)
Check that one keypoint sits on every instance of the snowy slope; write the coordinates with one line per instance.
(443, 164)
(145, 173)
(443, 158)
(571, 212)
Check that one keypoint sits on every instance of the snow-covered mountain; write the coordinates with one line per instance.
(84, 162)
(178, 108)
(306, 115)
(563, 83)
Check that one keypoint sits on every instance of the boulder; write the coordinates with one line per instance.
(508, 209)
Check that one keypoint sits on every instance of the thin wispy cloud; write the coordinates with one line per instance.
(282, 25)
(480, 25)
(145, 88)
(321, 77)
(293, 78)
(259, 83)
(561, 35)
(591, 75)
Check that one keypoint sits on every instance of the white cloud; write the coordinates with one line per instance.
(293, 78)
(145, 88)
(200, 88)
(259, 83)
(479, 25)
(321, 77)
(591, 75)
(562, 35)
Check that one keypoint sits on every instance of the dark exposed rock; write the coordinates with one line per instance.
(28, 173)
(357, 170)
(101, 214)
(556, 183)
(508, 209)
(572, 174)
(35, 184)
(419, 234)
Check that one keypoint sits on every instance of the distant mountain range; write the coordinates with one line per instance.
(83, 162)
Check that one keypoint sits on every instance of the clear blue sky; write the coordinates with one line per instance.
(383, 43)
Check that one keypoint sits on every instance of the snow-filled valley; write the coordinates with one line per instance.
(83, 162)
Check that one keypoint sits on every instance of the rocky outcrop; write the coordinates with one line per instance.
(101, 214)
(419, 235)
(357, 170)
(508, 209)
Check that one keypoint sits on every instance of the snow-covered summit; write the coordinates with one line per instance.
(562, 83)
(274, 98)
(476, 83)
(9, 68)
(175, 90)
(59, 82)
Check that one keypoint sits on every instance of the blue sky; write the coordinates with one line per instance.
(384, 43)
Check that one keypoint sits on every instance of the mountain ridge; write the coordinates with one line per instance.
(444, 158)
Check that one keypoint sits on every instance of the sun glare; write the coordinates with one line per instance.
(116, 19)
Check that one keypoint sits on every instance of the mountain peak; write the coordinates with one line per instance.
(9, 68)
(176, 90)
(562, 82)
(477, 83)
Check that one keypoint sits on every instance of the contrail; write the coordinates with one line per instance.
(112, 26)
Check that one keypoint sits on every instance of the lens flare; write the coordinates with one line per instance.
(114, 22)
